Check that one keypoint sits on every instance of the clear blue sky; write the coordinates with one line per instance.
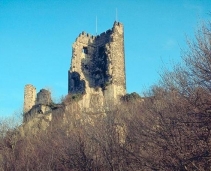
(36, 39)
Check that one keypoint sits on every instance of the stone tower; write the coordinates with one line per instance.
(98, 68)
(29, 97)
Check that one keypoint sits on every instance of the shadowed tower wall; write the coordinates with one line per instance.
(98, 68)
(29, 97)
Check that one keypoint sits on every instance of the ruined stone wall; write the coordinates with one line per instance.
(98, 69)
(35, 104)
(29, 97)
(43, 97)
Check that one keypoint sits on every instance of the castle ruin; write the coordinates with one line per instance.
(97, 74)
(35, 103)
(98, 69)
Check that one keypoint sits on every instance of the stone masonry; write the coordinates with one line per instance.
(29, 97)
(98, 69)
(43, 97)
(35, 103)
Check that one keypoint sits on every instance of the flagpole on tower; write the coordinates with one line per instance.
(116, 15)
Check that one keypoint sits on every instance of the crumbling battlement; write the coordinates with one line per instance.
(98, 68)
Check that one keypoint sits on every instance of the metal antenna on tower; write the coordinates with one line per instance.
(96, 26)
(116, 15)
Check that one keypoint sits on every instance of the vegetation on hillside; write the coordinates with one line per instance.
(169, 130)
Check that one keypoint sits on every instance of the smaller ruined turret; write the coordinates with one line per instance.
(44, 97)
